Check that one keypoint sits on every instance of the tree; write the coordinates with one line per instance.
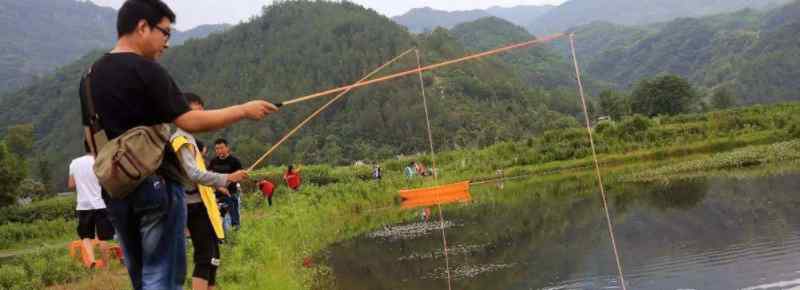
(332, 152)
(31, 188)
(12, 172)
(43, 168)
(248, 150)
(723, 99)
(664, 95)
(614, 104)
(20, 139)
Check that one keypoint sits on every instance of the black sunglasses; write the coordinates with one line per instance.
(164, 31)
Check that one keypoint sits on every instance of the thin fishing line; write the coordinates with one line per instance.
(596, 162)
(435, 171)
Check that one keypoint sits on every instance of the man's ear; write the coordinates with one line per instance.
(142, 26)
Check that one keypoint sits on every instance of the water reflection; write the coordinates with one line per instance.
(716, 233)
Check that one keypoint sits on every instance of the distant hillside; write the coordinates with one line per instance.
(427, 19)
(754, 52)
(270, 57)
(179, 37)
(635, 12)
(38, 36)
(520, 15)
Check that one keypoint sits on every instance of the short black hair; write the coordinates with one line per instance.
(221, 141)
(193, 98)
(133, 11)
(200, 145)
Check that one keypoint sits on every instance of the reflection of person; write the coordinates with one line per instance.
(203, 217)
(225, 162)
(425, 214)
(91, 210)
(292, 178)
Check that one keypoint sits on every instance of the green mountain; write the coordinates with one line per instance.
(540, 66)
(37, 36)
(753, 52)
(297, 48)
(635, 12)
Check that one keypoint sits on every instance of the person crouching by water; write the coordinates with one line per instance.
(410, 170)
(203, 217)
(377, 173)
(292, 178)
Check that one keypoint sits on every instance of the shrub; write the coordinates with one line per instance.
(48, 209)
(16, 233)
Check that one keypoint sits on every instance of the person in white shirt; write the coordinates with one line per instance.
(91, 209)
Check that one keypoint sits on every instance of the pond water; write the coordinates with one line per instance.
(705, 233)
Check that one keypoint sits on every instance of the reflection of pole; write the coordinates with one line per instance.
(596, 163)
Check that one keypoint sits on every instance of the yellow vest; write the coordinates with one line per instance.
(206, 193)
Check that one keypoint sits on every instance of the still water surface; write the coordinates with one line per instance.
(708, 233)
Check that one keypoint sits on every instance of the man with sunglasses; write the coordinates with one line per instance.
(130, 89)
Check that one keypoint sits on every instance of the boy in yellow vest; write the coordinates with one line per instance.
(203, 219)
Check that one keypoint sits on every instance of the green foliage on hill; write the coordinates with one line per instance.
(38, 36)
(752, 53)
(540, 65)
(635, 12)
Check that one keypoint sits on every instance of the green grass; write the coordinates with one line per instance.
(24, 235)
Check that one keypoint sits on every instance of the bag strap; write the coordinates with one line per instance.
(94, 118)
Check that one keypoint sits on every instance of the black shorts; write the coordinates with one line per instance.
(95, 222)
(204, 241)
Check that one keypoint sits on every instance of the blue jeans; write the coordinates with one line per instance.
(233, 210)
(150, 223)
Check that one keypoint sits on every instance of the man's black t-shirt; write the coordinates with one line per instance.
(230, 164)
(129, 91)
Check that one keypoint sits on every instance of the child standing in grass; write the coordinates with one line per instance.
(292, 178)
(203, 215)
(267, 189)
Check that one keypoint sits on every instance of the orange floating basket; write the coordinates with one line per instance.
(443, 194)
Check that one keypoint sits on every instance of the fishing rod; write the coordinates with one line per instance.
(533, 42)
(318, 111)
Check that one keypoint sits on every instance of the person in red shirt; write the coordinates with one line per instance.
(267, 188)
(292, 178)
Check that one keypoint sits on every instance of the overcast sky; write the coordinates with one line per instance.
(196, 12)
